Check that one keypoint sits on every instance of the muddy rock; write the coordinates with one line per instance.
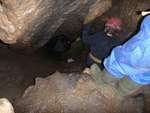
(68, 93)
(31, 23)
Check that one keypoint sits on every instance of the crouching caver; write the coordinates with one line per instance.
(127, 68)
(101, 43)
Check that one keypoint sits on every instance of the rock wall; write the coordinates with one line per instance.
(31, 23)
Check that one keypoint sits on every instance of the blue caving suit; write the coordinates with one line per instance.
(100, 44)
(132, 59)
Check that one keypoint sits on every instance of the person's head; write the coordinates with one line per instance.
(113, 26)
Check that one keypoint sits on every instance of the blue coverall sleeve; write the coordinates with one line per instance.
(132, 59)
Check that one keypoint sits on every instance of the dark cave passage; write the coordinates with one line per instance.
(18, 71)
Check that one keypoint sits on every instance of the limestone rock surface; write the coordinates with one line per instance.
(72, 93)
(63, 93)
(31, 23)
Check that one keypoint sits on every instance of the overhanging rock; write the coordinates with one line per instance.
(31, 23)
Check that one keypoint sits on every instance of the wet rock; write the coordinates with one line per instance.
(70, 93)
(31, 23)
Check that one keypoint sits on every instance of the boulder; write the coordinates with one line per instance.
(65, 93)
(31, 23)
(71, 93)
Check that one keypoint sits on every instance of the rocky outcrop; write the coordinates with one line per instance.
(31, 23)
(71, 93)
(63, 93)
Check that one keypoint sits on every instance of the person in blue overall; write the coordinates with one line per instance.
(101, 43)
(127, 68)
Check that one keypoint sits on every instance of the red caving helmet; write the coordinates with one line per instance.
(114, 23)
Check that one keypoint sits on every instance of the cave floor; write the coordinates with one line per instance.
(18, 71)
